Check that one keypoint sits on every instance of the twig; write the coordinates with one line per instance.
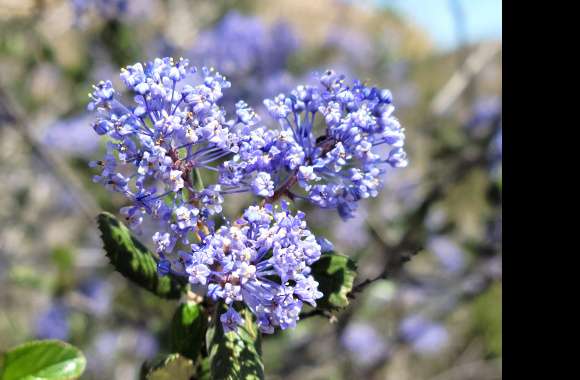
(315, 312)
(461, 78)
(388, 271)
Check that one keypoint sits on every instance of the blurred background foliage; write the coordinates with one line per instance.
(438, 316)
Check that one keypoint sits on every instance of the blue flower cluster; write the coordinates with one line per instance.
(263, 260)
(336, 158)
(173, 128)
(331, 146)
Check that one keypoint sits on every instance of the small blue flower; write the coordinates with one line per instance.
(164, 267)
(231, 320)
(198, 273)
(325, 244)
(263, 185)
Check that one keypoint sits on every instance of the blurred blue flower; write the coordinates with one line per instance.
(53, 323)
(449, 254)
(100, 293)
(146, 345)
(486, 116)
(484, 112)
(71, 136)
(425, 336)
(243, 45)
(103, 351)
(107, 9)
(364, 344)
(496, 153)
(250, 53)
(497, 143)
(436, 219)
(353, 49)
(353, 234)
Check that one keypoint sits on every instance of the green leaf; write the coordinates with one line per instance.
(168, 367)
(487, 319)
(42, 360)
(204, 370)
(197, 179)
(133, 260)
(188, 329)
(335, 274)
(235, 355)
(64, 258)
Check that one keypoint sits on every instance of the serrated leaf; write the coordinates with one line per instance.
(188, 328)
(335, 274)
(43, 360)
(235, 355)
(133, 260)
(204, 370)
(168, 367)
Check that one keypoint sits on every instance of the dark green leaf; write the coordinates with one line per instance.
(188, 329)
(235, 355)
(168, 367)
(335, 275)
(204, 370)
(133, 260)
(42, 360)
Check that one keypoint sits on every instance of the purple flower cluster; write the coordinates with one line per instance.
(173, 128)
(331, 147)
(263, 260)
(336, 158)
